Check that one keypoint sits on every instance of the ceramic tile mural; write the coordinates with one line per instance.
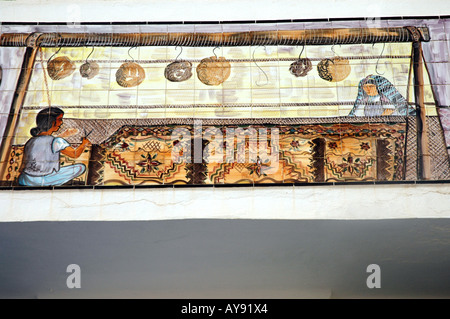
(225, 104)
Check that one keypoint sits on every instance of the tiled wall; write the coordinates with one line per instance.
(132, 130)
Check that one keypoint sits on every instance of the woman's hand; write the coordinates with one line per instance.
(85, 142)
(69, 132)
(76, 152)
(388, 111)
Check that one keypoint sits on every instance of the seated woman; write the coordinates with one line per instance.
(377, 96)
(40, 165)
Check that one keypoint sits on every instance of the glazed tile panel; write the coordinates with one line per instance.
(236, 114)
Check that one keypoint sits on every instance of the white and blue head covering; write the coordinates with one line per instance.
(387, 96)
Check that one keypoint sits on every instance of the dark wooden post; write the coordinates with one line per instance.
(423, 154)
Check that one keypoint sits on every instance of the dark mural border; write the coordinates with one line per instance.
(286, 185)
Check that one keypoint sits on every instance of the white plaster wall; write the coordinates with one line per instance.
(362, 202)
(212, 10)
(315, 202)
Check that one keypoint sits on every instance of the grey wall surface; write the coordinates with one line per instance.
(226, 259)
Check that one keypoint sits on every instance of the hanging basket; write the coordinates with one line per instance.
(334, 70)
(213, 70)
(60, 68)
(89, 70)
(130, 74)
(178, 71)
(301, 67)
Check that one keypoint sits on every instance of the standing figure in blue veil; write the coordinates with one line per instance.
(377, 96)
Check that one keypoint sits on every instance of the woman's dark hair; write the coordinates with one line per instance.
(45, 120)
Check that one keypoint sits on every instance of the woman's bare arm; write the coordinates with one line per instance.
(76, 152)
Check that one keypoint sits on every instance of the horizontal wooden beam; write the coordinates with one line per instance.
(269, 37)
